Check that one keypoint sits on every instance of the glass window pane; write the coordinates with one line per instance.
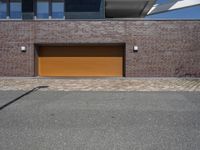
(15, 9)
(57, 9)
(42, 9)
(3, 9)
(83, 5)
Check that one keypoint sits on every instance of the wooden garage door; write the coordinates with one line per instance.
(80, 61)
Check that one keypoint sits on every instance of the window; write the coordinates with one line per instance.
(58, 9)
(15, 9)
(3, 9)
(43, 9)
(83, 5)
(84, 9)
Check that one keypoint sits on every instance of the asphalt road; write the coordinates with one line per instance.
(100, 121)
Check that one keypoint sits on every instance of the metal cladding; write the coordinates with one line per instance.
(127, 8)
(94, 9)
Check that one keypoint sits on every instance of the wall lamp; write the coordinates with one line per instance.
(23, 49)
(135, 48)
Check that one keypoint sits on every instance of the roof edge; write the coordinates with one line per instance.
(147, 8)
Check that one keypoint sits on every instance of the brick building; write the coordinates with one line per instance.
(94, 38)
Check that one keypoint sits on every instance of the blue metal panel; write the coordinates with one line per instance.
(15, 9)
(57, 10)
(43, 9)
(3, 9)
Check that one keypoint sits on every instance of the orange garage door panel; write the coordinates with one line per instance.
(80, 61)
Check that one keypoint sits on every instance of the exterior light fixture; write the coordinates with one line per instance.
(23, 49)
(135, 48)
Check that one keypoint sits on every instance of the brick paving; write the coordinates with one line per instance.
(103, 84)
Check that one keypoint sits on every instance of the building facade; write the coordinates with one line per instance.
(93, 38)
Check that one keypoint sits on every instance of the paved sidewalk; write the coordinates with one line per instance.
(103, 84)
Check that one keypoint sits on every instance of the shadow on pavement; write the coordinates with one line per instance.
(16, 99)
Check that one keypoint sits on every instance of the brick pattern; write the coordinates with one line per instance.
(101, 84)
(166, 48)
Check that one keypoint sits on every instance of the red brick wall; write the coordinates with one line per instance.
(166, 48)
